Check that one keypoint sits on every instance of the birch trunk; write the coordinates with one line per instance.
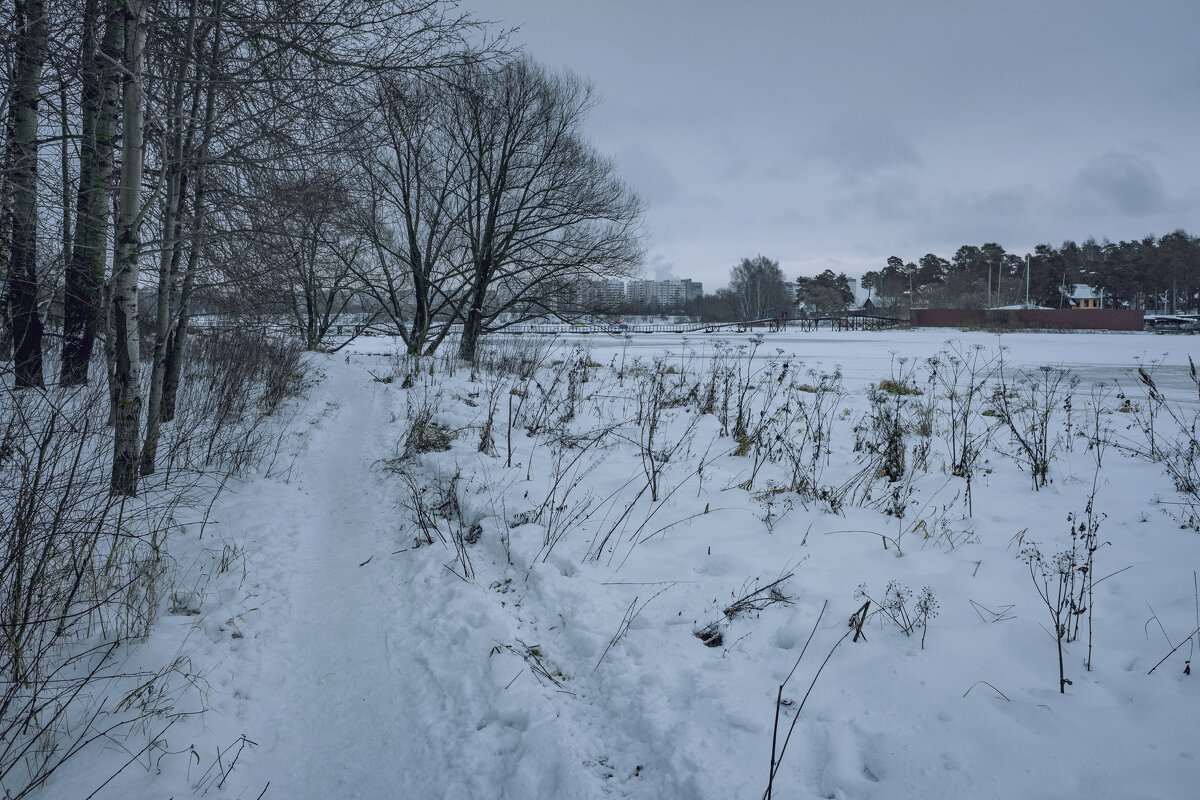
(125, 370)
(6, 211)
(84, 296)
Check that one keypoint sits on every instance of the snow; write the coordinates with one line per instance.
(359, 665)
(1021, 307)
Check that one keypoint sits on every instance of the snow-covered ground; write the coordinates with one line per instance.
(557, 655)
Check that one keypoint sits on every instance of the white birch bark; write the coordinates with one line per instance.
(125, 373)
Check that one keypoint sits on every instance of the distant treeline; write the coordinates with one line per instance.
(1150, 273)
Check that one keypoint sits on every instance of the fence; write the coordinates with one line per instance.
(1104, 319)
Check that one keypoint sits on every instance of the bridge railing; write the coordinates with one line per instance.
(837, 323)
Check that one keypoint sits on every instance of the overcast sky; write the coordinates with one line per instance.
(835, 133)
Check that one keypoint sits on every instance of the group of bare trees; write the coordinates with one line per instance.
(463, 198)
(757, 290)
(291, 158)
(480, 201)
(299, 157)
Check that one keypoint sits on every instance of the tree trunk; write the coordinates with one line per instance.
(65, 178)
(22, 268)
(173, 200)
(84, 301)
(473, 324)
(6, 220)
(419, 331)
(174, 207)
(469, 343)
(173, 361)
(123, 310)
(419, 267)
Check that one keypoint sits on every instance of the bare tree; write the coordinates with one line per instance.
(543, 209)
(303, 248)
(250, 95)
(182, 60)
(758, 288)
(412, 212)
(231, 91)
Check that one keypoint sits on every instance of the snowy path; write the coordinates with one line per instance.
(322, 679)
(336, 708)
(371, 680)
(334, 660)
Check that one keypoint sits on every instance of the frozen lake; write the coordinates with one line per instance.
(1095, 356)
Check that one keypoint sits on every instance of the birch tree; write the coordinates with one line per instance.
(759, 289)
(8, 45)
(124, 372)
(100, 102)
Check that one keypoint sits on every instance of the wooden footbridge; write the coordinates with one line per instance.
(844, 322)
(850, 322)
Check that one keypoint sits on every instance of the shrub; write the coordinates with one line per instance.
(424, 434)
(83, 571)
(428, 437)
(895, 607)
(897, 388)
(1027, 407)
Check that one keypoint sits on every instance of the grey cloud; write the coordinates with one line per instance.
(863, 147)
(1004, 214)
(797, 128)
(648, 174)
(1122, 182)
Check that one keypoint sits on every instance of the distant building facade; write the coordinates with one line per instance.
(1085, 296)
(642, 293)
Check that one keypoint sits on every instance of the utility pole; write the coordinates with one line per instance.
(1027, 280)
